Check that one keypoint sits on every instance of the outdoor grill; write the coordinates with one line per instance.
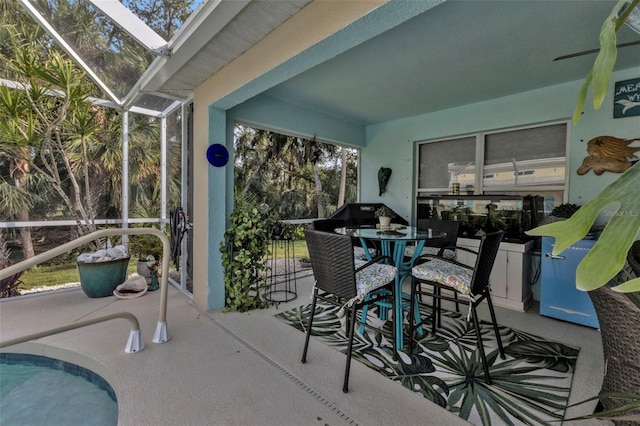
(361, 215)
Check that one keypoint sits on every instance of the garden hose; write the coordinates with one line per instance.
(178, 225)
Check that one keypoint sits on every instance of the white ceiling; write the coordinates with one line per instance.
(457, 53)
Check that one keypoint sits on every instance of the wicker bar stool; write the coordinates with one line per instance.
(341, 283)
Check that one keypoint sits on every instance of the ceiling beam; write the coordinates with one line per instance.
(134, 26)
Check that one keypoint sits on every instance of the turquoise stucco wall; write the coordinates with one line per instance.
(269, 113)
(274, 115)
(392, 144)
(220, 186)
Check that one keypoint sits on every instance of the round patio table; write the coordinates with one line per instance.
(393, 243)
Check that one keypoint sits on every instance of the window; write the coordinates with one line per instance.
(539, 150)
(441, 163)
(523, 161)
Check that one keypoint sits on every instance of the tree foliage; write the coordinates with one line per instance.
(115, 57)
(277, 177)
(600, 74)
(164, 16)
(296, 177)
(52, 137)
(47, 125)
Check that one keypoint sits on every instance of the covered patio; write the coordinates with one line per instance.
(244, 368)
(389, 77)
(385, 77)
(380, 76)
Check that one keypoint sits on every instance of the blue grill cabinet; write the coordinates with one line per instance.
(559, 297)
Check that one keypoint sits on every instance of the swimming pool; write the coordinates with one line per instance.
(38, 390)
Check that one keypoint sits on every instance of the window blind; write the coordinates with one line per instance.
(526, 144)
(435, 158)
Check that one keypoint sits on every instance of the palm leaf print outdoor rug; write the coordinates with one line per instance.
(531, 386)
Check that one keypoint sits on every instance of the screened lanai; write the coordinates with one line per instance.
(116, 49)
(380, 76)
(127, 49)
(391, 78)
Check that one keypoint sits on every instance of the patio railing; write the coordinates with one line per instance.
(134, 344)
(160, 335)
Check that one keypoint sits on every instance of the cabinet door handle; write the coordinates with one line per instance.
(554, 256)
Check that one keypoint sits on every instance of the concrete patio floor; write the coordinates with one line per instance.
(244, 368)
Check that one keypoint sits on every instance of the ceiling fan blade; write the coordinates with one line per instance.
(587, 52)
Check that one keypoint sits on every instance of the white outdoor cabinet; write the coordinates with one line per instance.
(511, 274)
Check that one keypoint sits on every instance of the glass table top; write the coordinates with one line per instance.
(397, 233)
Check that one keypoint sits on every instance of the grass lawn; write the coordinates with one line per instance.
(44, 276)
(299, 249)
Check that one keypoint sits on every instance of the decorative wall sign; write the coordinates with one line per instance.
(626, 98)
(383, 178)
(217, 155)
(609, 154)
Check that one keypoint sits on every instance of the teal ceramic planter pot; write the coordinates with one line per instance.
(100, 279)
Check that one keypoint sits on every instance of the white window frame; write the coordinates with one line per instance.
(480, 138)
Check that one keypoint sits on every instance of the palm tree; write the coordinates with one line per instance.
(38, 125)
(17, 198)
(85, 156)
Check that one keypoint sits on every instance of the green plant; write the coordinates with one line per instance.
(608, 255)
(282, 230)
(53, 137)
(298, 233)
(606, 259)
(286, 231)
(246, 244)
(8, 285)
(600, 74)
(565, 210)
(619, 202)
(384, 211)
(292, 231)
(140, 246)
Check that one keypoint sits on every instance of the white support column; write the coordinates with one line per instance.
(163, 172)
(184, 192)
(125, 173)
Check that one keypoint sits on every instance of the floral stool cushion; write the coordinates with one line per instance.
(445, 273)
(446, 254)
(372, 277)
(358, 253)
